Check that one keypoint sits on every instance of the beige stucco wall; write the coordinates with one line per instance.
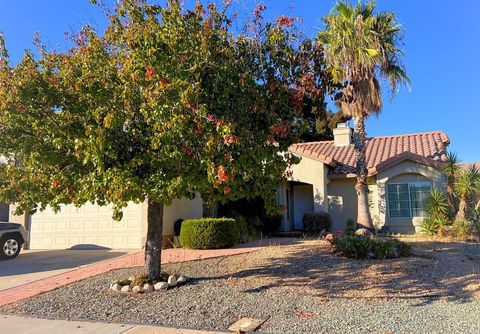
(315, 173)
(179, 209)
(342, 201)
(403, 172)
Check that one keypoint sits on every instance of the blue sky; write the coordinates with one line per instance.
(442, 44)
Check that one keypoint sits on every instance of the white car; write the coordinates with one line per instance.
(12, 237)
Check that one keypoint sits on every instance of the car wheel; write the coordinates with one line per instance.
(10, 247)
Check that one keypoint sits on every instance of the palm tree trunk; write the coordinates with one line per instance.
(153, 245)
(364, 218)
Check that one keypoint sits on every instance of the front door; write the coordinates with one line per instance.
(303, 202)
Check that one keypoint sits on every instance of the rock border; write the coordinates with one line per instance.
(172, 281)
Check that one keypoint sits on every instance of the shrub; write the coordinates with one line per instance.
(462, 229)
(430, 226)
(359, 247)
(249, 228)
(351, 227)
(316, 222)
(209, 233)
(353, 246)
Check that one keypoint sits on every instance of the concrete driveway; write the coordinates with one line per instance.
(32, 265)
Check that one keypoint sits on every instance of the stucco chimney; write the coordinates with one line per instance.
(342, 135)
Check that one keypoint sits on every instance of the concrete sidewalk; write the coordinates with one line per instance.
(22, 325)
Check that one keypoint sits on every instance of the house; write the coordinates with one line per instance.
(402, 170)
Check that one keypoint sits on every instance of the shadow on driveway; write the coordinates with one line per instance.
(32, 265)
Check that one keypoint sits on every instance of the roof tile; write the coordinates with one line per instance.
(428, 147)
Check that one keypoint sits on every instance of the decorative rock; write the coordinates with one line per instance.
(148, 288)
(136, 289)
(172, 280)
(181, 280)
(329, 237)
(125, 288)
(116, 287)
(161, 286)
(131, 278)
(363, 232)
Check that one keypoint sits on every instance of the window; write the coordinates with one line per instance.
(408, 199)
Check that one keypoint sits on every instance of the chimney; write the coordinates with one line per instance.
(342, 135)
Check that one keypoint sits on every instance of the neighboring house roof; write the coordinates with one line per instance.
(471, 164)
(428, 148)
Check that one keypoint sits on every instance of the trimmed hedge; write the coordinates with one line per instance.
(209, 233)
(315, 223)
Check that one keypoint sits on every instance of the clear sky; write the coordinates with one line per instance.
(442, 44)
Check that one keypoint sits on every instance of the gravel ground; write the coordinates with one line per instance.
(302, 288)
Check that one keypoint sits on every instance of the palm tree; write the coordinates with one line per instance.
(451, 170)
(362, 48)
(467, 186)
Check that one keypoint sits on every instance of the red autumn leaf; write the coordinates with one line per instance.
(55, 184)
(222, 174)
(230, 139)
(149, 72)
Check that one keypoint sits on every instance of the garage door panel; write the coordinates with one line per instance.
(87, 225)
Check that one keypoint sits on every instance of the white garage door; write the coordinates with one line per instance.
(84, 226)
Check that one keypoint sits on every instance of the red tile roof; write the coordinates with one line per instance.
(427, 148)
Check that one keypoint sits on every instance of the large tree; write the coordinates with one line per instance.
(166, 103)
(362, 48)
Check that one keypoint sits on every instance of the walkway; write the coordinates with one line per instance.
(21, 292)
(15, 324)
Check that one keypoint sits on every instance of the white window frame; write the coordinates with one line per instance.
(409, 196)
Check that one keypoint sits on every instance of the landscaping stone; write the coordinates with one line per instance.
(125, 289)
(181, 280)
(363, 232)
(172, 280)
(116, 287)
(329, 237)
(131, 278)
(137, 289)
(148, 288)
(161, 286)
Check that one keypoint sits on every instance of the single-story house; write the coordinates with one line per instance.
(402, 171)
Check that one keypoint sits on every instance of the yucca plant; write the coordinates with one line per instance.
(430, 226)
(437, 209)
(450, 170)
(437, 204)
(476, 222)
(467, 186)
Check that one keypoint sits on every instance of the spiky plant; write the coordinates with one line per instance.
(467, 186)
(361, 48)
(451, 170)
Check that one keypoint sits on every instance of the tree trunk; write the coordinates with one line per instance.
(462, 210)
(364, 218)
(153, 245)
(452, 201)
